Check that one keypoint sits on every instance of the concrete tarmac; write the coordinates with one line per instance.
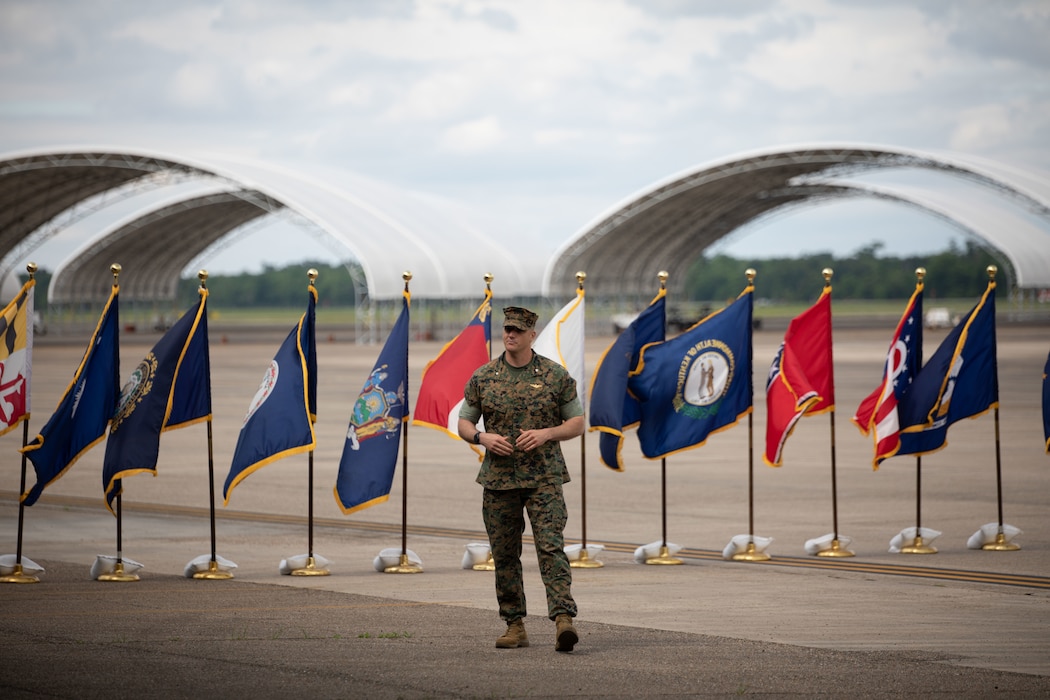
(958, 622)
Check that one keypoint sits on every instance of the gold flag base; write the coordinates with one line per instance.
(118, 574)
(585, 561)
(751, 554)
(918, 547)
(310, 569)
(404, 566)
(487, 565)
(1000, 545)
(664, 558)
(19, 576)
(835, 551)
(214, 573)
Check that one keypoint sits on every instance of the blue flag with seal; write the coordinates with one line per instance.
(613, 409)
(960, 380)
(366, 469)
(169, 389)
(85, 409)
(696, 383)
(280, 418)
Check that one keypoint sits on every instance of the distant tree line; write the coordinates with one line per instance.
(276, 287)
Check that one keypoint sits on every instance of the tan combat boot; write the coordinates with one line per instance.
(565, 637)
(514, 637)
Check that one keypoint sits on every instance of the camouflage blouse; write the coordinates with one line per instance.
(542, 394)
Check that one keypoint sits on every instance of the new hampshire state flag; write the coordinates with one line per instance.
(169, 389)
(16, 358)
(613, 409)
(960, 380)
(85, 409)
(280, 418)
(696, 383)
(366, 469)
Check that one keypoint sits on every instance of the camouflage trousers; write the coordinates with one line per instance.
(503, 512)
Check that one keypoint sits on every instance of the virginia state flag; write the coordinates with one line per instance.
(562, 340)
(613, 409)
(171, 382)
(696, 383)
(441, 388)
(85, 409)
(960, 380)
(366, 469)
(16, 358)
(877, 414)
(280, 418)
(801, 379)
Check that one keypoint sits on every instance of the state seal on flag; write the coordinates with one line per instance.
(269, 381)
(135, 390)
(704, 376)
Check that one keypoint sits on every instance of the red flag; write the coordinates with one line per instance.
(441, 388)
(801, 379)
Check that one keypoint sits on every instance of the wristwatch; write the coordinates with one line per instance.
(477, 438)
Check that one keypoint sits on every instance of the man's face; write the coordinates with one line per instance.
(515, 339)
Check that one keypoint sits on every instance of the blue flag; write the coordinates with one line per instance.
(613, 409)
(959, 381)
(697, 383)
(85, 409)
(149, 399)
(1046, 405)
(280, 419)
(366, 469)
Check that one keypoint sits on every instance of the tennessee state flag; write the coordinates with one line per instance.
(613, 409)
(441, 387)
(149, 399)
(280, 418)
(801, 379)
(85, 409)
(697, 383)
(877, 414)
(16, 358)
(366, 469)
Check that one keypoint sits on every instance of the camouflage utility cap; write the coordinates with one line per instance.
(517, 317)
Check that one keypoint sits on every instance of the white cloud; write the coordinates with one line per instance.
(473, 136)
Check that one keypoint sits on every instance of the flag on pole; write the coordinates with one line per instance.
(960, 380)
(84, 410)
(441, 387)
(366, 469)
(613, 409)
(697, 383)
(16, 358)
(172, 381)
(801, 378)
(878, 414)
(280, 418)
(562, 340)
(1046, 404)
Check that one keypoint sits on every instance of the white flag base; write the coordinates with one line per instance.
(912, 540)
(108, 568)
(989, 538)
(203, 567)
(304, 565)
(581, 557)
(392, 561)
(476, 556)
(747, 548)
(14, 571)
(829, 546)
(657, 553)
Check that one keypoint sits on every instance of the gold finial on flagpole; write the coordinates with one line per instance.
(580, 277)
(31, 268)
(312, 275)
(662, 275)
(750, 274)
(202, 275)
(920, 273)
(827, 272)
(115, 268)
(991, 270)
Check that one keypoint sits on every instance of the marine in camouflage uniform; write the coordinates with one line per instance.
(528, 409)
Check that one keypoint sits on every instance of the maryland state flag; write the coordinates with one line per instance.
(280, 418)
(877, 414)
(960, 380)
(441, 388)
(170, 388)
(16, 358)
(697, 383)
(801, 379)
(366, 469)
(613, 409)
(85, 409)
(562, 340)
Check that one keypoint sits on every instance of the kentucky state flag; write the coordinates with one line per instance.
(697, 383)
(85, 409)
(801, 379)
(16, 358)
(613, 409)
(366, 469)
(877, 414)
(960, 380)
(169, 389)
(280, 418)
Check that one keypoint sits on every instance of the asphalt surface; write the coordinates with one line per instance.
(955, 623)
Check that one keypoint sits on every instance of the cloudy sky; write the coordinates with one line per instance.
(540, 113)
